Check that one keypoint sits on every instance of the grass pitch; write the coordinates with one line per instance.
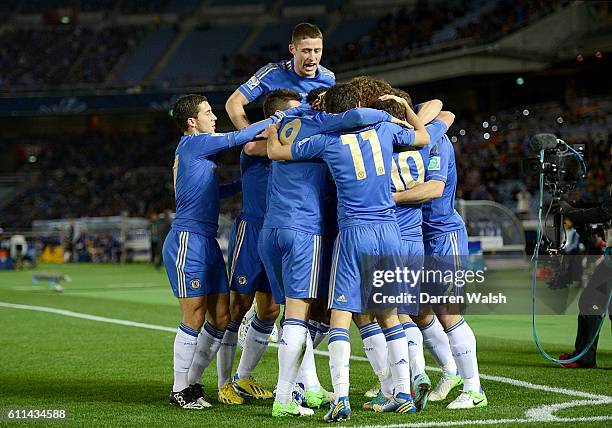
(108, 374)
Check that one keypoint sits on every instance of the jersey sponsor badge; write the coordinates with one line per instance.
(195, 284)
(434, 163)
(253, 82)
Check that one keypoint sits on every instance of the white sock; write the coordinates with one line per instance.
(436, 342)
(308, 370)
(375, 347)
(339, 347)
(290, 353)
(398, 358)
(415, 348)
(463, 345)
(185, 344)
(226, 353)
(209, 342)
(255, 346)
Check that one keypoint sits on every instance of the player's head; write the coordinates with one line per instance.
(370, 89)
(340, 98)
(316, 97)
(307, 48)
(392, 107)
(281, 99)
(193, 115)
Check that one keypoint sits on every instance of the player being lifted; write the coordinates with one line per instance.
(301, 74)
(360, 162)
(290, 242)
(192, 257)
(446, 334)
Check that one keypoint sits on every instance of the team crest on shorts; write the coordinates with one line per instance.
(194, 284)
(242, 280)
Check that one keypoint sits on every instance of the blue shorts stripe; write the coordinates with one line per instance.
(334, 268)
(312, 286)
(237, 246)
(180, 264)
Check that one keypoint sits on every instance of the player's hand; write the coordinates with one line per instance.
(401, 122)
(271, 134)
(387, 97)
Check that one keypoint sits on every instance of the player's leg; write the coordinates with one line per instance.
(460, 336)
(301, 257)
(412, 254)
(318, 326)
(193, 306)
(375, 348)
(256, 342)
(217, 315)
(344, 299)
(239, 304)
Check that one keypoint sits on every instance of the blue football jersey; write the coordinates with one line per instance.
(195, 182)
(360, 162)
(254, 171)
(408, 170)
(281, 75)
(296, 189)
(439, 215)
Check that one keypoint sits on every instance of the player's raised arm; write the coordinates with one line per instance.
(421, 137)
(214, 143)
(354, 118)
(428, 110)
(234, 106)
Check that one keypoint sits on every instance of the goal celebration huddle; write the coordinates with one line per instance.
(337, 174)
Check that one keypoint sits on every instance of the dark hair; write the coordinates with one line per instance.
(303, 31)
(392, 107)
(278, 100)
(370, 89)
(340, 98)
(402, 94)
(185, 107)
(316, 94)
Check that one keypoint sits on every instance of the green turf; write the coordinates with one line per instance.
(106, 374)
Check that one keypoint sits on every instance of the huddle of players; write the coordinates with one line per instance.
(287, 246)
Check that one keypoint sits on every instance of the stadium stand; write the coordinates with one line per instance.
(204, 48)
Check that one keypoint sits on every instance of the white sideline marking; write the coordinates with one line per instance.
(544, 413)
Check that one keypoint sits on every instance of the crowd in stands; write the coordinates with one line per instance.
(51, 56)
(490, 151)
(428, 27)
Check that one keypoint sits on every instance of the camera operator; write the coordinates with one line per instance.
(596, 297)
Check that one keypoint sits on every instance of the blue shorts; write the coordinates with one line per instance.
(448, 252)
(413, 256)
(194, 264)
(355, 248)
(246, 271)
(293, 263)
